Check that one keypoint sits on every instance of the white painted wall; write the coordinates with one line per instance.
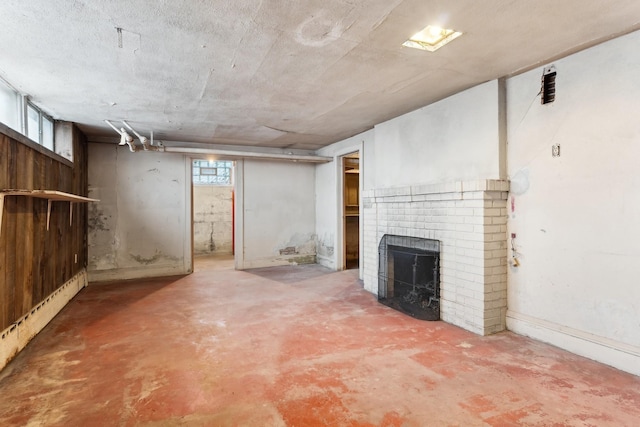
(432, 173)
(141, 227)
(275, 205)
(328, 200)
(212, 219)
(576, 216)
(456, 139)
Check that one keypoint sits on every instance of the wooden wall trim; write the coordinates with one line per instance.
(34, 261)
(17, 136)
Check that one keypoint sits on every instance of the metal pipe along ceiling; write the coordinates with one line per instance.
(249, 154)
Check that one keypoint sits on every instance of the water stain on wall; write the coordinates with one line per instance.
(325, 247)
(212, 220)
(305, 259)
(289, 250)
(152, 259)
(301, 249)
(212, 243)
(97, 219)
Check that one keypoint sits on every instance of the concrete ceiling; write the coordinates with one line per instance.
(274, 73)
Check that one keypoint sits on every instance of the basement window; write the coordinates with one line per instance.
(17, 112)
(9, 106)
(33, 123)
(212, 172)
(46, 131)
(39, 126)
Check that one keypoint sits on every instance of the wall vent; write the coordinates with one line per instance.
(548, 89)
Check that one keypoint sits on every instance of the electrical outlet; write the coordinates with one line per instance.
(555, 150)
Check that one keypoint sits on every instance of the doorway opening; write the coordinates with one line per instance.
(351, 210)
(213, 212)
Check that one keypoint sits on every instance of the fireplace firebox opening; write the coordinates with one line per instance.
(409, 275)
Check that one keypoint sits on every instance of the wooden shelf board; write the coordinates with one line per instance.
(50, 195)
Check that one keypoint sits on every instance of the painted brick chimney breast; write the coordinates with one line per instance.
(469, 219)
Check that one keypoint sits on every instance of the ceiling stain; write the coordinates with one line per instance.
(318, 31)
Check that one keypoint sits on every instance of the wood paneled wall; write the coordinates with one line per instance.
(35, 261)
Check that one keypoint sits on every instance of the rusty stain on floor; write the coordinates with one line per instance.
(291, 346)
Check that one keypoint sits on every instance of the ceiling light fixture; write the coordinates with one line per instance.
(431, 38)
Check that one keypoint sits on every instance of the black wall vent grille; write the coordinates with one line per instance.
(548, 85)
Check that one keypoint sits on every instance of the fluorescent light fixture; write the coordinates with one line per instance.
(431, 38)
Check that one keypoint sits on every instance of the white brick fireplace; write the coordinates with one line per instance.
(469, 219)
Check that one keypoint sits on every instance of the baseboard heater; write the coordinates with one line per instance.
(22, 331)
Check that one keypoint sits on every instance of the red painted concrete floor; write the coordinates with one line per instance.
(293, 346)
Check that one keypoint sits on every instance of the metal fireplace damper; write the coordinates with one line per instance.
(408, 275)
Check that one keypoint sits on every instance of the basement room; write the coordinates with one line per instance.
(319, 213)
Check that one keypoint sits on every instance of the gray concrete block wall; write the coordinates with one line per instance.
(212, 219)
